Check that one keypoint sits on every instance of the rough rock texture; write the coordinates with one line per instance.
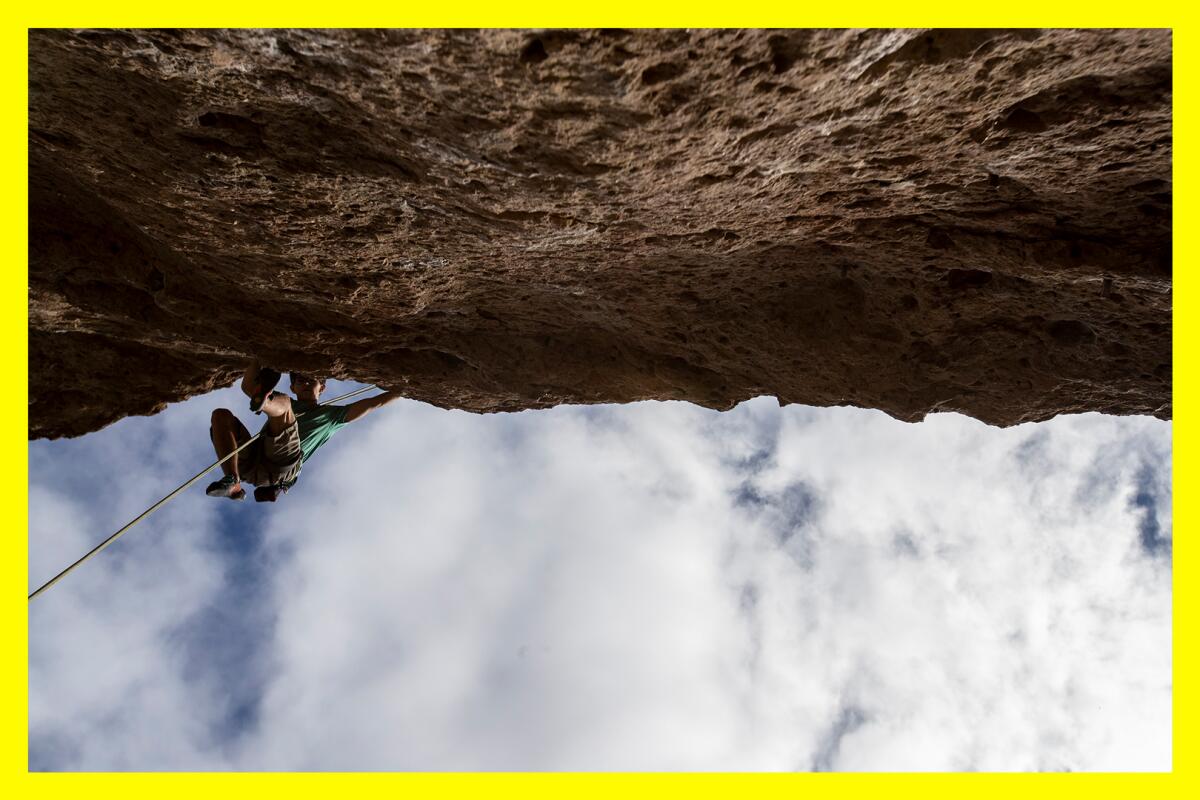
(969, 220)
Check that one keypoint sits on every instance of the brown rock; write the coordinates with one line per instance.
(914, 221)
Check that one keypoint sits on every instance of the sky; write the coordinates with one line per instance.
(652, 586)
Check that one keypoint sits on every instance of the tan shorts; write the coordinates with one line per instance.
(273, 459)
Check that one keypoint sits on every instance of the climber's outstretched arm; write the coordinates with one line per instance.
(359, 409)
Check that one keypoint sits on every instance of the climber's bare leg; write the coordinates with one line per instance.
(227, 433)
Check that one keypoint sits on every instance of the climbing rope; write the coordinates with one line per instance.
(155, 507)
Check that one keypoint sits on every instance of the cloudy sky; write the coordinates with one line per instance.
(653, 586)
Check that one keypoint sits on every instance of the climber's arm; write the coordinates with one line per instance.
(359, 409)
(250, 377)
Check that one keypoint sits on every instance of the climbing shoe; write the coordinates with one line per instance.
(268, 379)
(228, 486)
(266, 494)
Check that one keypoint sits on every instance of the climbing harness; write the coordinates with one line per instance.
(155, 507)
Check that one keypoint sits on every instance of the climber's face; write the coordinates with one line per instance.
(307, 387)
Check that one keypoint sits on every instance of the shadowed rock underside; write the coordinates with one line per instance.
(915, 221)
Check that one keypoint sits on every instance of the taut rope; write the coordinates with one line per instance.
(155, 507)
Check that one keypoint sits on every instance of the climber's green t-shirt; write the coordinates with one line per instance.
(317, 423)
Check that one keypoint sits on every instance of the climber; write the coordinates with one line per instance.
(293, 432)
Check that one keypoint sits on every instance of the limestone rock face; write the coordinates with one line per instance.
(914, 221)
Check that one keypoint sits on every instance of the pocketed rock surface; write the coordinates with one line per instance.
(915, 221)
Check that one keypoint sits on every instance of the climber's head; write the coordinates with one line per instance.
(307, 387)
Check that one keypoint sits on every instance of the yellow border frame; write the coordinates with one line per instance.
(540, 13)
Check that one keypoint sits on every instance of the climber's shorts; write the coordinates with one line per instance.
(276, 458)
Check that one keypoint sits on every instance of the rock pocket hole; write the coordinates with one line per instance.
(1024, 120)
(968, 278)
(1070, 332)
(661, 72)
(534, 52)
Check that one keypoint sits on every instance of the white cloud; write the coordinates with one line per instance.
(652, 586)
(108, 688)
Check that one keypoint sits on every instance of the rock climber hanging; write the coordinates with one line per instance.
(295, 428)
